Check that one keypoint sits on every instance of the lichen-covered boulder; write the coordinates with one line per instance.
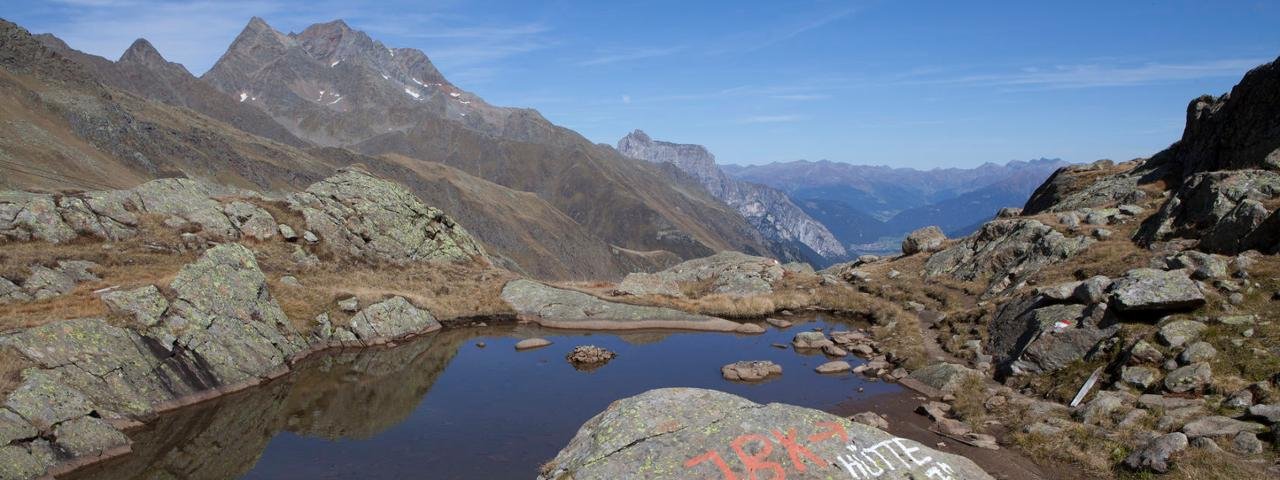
(1222, 210)
(641, 283)
(560, 308)
(391, 319)
(946, 377)
(729, 273)
(1004, 252)
(375, 219)
(1151, 290)
(143, 305)
(927, 239)
(250, 220)
(679, 433)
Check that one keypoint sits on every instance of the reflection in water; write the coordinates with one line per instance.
(439, 407)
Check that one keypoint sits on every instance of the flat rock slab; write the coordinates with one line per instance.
(683, 433)
(531, 343)
(559, 308)
(1151, 290)
(750, 370)
(838, 366)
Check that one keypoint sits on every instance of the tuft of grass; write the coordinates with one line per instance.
(12, 364)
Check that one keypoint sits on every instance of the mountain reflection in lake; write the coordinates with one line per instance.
(441, 407)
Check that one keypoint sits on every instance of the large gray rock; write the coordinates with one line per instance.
(1034, 335)
(1179, 332)
(143, 305)
(946, 377)
(1004, 252)
(1203, 266)
(1155, 454)
(1151, 290)
(1223, 210)
(677, 433)
(1083, 186)
(389, 320)
(560, 308)
(250, 220)
(750, 370)
(927, 239)
(1191, 377)
(729, 273)
(378, 220)
(1219, 426)
(641, 283)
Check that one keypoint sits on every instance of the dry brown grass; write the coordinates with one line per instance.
(11, 366)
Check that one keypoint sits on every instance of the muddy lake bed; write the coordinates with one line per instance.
(441, 406)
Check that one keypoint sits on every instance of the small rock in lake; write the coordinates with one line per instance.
(529, 343)
(750, 370)
(838, 366)
(589, 357)
(778, 322)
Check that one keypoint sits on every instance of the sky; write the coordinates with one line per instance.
(904, 83)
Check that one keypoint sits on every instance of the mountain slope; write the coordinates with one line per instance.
(335, 86)
(66, 129)
(768, 209)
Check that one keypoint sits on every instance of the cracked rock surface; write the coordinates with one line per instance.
(696, 433)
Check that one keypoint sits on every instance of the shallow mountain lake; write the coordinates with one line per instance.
(442, 407)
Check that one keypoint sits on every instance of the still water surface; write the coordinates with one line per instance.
(442, 407)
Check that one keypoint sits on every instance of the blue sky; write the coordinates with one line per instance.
(903, 83)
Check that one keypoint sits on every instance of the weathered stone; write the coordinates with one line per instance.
(250, 220)
(1102, 234)
(1203, 266)
(143, 305)
(1271, 412)
(727, 273)
(834, 351)
(560, 308)
(927, 239)
(1198, 352)
(1188, 378)
(946, 377)
(45, 402)
(44, 283)
(87, 436)
(13, 427)
(649, 284)
(290, 281)
(11, 293)
(1139, 377)
(349, 304)
(379, 220)
(778, 322)
(287, 232)
(1179, 332)
(589, 356)
(531, 343)
(666, 434)
(1009, 212)
(391, 319)
(1147, 289)
(1220, 209)
(1219, 426)
(1156, 453)
(871, 419)
(1004, 252)
(750, 370)
(1144, 352)
(1028, 336)
(19, 464)
(1246, 443)
(1103, 408)
(811, 340)
(1153, 401)
(838, 366)
(1241, 399)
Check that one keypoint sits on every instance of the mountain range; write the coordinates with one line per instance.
(280, 111)
(869, 208)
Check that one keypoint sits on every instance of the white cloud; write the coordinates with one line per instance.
(626, 99)
(1093, 75)
(605, 58)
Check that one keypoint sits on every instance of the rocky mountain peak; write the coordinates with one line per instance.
(145, 55)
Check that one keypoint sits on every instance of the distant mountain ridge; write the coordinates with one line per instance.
(768, 209)
(870, 207)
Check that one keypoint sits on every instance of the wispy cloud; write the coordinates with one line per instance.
(628, 55)
(788, 118)
(761, 39)
(1094, 75)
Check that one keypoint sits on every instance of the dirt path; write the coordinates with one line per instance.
(899, 410)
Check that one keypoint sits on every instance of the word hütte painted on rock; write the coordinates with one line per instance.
(779, 452)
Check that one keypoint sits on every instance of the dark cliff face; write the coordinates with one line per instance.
(769, 210)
